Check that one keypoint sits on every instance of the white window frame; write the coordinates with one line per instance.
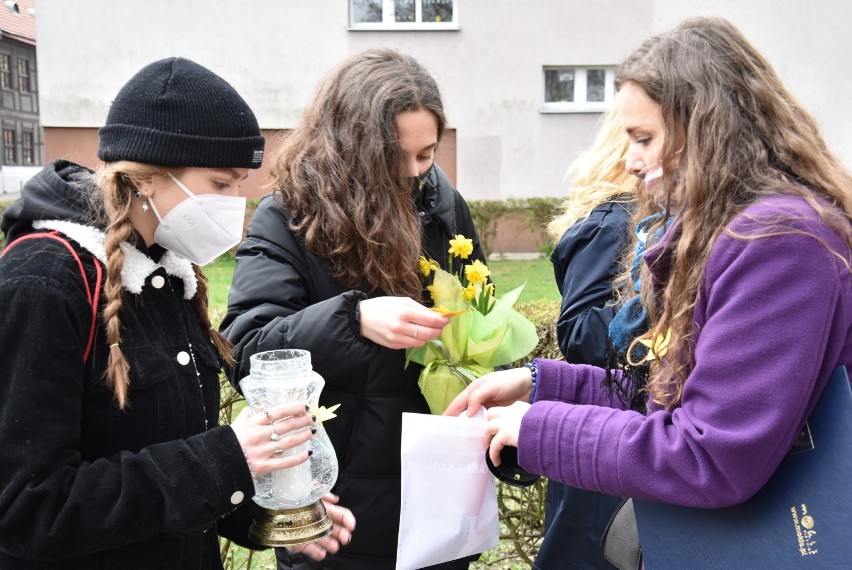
(389, 22)
(579, 105)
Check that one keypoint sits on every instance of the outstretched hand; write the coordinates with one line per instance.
(343, 524)
(399, 322)
(500, 388)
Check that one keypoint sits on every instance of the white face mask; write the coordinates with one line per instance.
(651, 177)
(203, 227)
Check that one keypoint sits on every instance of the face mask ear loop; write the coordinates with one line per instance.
(154, 208)
(181, 186)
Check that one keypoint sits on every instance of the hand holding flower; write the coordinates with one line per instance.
(504, 425)
(484, 333)
(399, 322)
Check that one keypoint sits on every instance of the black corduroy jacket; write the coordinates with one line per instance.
(84, 484)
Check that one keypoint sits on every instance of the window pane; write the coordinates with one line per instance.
(595, 85)
(559, 85)
(437, 10)
(9, 146)
(27, 147)
(366, 11)
(404, 10)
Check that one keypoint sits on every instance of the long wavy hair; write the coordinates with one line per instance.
(600, 176)
(339, 172)
(112, 192)
(744, 137)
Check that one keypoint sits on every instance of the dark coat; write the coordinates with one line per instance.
(586, 259)
(283, 297)
(84, 484)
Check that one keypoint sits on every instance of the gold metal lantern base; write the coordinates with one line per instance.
(289, 527)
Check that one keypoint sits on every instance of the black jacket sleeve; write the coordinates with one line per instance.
(281, 297)
(585, 261)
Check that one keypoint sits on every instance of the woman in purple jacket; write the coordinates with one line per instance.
(749, 292)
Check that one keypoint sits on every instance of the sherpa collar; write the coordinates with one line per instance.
(137, 265)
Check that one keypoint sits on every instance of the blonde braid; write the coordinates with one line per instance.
(118, 231)
(222, 344)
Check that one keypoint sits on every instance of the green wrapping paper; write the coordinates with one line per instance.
(472, 345)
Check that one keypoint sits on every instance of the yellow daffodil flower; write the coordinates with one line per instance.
(657, 347)
(477, 272)
(461, 246)
(469, 292)
(423, 265)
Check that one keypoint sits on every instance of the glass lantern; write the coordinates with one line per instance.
(291, 510)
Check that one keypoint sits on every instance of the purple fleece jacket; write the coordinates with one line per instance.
(772, 322)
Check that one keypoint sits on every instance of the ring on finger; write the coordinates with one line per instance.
(267, 416)
(416, 330)
(278, 451)
(275, 435)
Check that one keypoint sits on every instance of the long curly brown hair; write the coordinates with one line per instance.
(744, 137)
(339, 171)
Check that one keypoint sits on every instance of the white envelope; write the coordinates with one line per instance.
(449, 498)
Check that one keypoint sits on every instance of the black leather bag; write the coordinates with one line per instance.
(621, 538)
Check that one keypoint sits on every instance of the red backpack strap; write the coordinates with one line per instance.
(92, 298)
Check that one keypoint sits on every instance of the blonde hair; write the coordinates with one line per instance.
(113, 188)
(600, 177)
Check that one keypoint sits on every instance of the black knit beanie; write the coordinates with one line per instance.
(175, 112)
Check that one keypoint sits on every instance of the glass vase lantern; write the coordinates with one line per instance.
(291, 510)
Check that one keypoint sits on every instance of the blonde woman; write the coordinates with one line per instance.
(109, 399)
(591, 232)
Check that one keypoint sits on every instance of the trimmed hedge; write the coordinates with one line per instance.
(3, 205)
(536, 213)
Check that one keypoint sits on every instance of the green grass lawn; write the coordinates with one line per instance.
(506, 274)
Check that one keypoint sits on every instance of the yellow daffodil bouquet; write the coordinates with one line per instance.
(484, 332)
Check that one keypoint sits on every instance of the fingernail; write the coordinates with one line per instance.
(313, 418)
(313, 430)
(310, 452)
(307, 408)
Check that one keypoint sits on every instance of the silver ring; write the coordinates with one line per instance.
(278, 451)
(416, 327)
(274, 436)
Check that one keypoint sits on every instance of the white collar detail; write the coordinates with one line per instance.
(137, 265)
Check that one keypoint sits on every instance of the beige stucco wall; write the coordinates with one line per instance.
(490, 69)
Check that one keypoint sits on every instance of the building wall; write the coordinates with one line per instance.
(19, 110)
(275, 52)
(490, 69)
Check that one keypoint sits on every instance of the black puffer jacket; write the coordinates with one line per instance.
(283, 297)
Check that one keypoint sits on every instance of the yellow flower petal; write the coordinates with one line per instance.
(324, 414)
(469, 292)
(424, 267)
(477, 272)
(461, 246)
(657, 347)
(442, 310)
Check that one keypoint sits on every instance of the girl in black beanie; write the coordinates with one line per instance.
(113, 456)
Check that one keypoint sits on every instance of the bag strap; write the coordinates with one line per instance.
(93, 299)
